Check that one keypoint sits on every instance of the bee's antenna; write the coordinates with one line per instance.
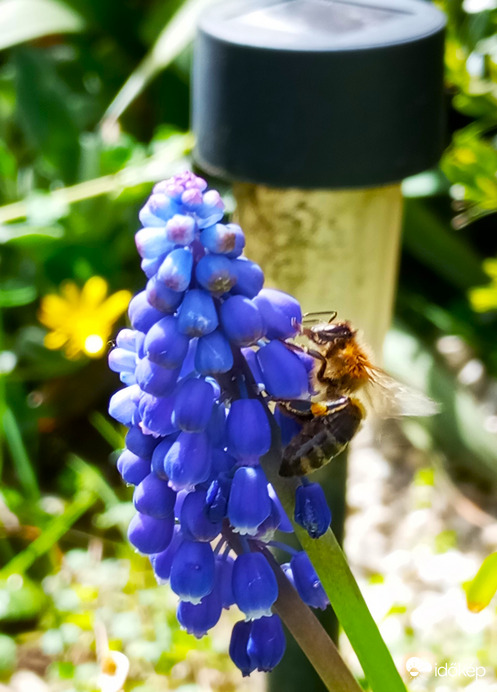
(314, 316)
(312, 313)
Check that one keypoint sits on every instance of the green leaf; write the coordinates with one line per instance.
(470, 163)
(43, 102)
(427, 237)
(8, 164)
(173, 39)
(29, 233)
(25, 20)
(17, 296)
(481, 590)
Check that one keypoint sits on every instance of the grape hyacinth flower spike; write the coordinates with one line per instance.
(204, 357)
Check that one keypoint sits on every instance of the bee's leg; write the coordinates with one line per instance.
(312, 352)
(332, 384)
(318, 356)
(295, 347)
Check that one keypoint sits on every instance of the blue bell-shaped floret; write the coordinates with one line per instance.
(254, 585)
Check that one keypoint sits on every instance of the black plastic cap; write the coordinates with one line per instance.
(319, 93)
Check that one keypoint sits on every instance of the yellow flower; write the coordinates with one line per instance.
(81, 320)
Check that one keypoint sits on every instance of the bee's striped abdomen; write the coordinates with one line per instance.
(322, 438)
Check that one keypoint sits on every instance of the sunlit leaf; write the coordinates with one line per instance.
(470, 164)
(25, 20)
(175, 36)
(481, 590)
(22, 232)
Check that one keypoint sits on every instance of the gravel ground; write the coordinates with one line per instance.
(413, 538)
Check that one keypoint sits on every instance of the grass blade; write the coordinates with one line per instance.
(53, 532)
(174, 38)
(19, 454)
(103, 426)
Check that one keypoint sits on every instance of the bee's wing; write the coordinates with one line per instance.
(388, 398)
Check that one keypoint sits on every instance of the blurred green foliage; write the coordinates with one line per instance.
(471, 58)
(462, 195)
(94, 101)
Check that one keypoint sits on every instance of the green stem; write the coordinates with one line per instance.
(83, 500)
(339, 584)
(304, 626)
(19, 454)
(106, 430)
(352, 612)
(152, 169)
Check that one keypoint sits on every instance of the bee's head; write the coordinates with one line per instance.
(329, 333)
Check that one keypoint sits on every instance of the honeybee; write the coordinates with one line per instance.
(332, 418)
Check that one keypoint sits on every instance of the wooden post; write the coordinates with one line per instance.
(331, 249)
